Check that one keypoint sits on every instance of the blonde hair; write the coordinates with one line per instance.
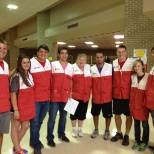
(82, 55)
(135, 63)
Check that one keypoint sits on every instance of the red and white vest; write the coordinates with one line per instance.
(137, 98)
(4, 89)
(61, 80)
(41, 76)
(102, 84)
(26, 103)
(122, 79)
(82, 83)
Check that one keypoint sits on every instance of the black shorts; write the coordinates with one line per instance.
(80, 112)
(121, 106)
(106, 109)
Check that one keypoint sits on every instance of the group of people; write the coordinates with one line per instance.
(38, 86)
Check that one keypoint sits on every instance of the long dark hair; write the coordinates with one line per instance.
(21, 71)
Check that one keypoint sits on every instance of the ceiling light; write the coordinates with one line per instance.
(117, 46)
(118, 36)
(118, 42)
(94, 46)
(89, 42)
(61, 42)
(12, 6)
(71, 46)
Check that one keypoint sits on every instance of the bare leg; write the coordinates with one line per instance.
(118, 122)
(128, 124)
(96, 118)
(80, 123)
(73, 123)
(1, 141)
(107, 121)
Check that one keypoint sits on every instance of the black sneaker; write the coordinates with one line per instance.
(65, 139)
(117, 137)
(51, 143)
(151, 148)
(37, 151)
(42, 146)
(125, 140)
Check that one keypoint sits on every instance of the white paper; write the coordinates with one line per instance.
(71, 106)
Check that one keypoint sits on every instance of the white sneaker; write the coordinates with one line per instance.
(74, 133)
(80, 133)
(106, 135)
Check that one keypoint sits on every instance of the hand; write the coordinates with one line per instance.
(16, 114)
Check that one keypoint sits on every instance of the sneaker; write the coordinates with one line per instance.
(151, 148)
(135, 145)
(19, 152)
(117, 137)
(65, 139)
(37, 151)
(24, 150)
(142, 147)
(42, 146)
(74, 133)
(125, 141)
(106, 134)
(95, 133)
(80, 133)
(51, 143)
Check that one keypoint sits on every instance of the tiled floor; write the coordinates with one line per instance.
(82, 145)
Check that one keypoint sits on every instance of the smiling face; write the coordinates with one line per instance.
(63, 55)
(25, 64)
(138, 67)
(3, 51)
(81, 61)
(121, 54)
(99, 58)
(42, 54)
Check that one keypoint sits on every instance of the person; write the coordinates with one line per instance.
(81, 88)
(4, 93)
(22, 100)
(101, 93)
(61, 79)
(41, 73)
(150, 94)
(138, 109)
(121, 92)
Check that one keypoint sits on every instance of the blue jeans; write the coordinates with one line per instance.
(53, 109)
(35, 124)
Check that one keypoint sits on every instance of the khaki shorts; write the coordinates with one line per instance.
(4, 122)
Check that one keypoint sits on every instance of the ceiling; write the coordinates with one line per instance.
(28, 8)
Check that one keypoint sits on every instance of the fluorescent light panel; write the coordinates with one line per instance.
(71, 46)
(94, 46)
(118, 42)
(89, 42)
(118, 36)
(12, 6)
(61, 42)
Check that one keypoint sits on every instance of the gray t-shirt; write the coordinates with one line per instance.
(14, 87)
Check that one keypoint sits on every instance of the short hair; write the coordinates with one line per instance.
(62, 48)
(3, 41)
(139, 61)
(122, 46)
(100, 52)
(80, 56)
(152, 49)
(45, 47)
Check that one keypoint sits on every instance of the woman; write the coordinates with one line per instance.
(81, 88)
(137, 105)
(22, 100)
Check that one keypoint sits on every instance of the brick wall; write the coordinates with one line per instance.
(138, 29)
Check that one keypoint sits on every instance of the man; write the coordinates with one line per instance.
(61, 79)
(4, 93)
(41, 72)
(121, 91)
(101, 93)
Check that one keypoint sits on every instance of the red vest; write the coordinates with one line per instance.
(122, 79)
(61, 80)
(26, 103)
(137, 98)
(150, 90)
(82, 83)
(4, 89)
(41, 76)
(102, 84)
